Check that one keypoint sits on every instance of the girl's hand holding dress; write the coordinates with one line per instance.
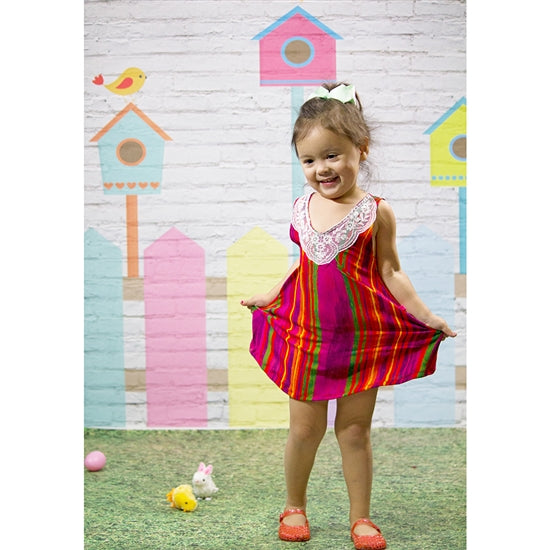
(258, 300)
(439, 323)
(262, 300)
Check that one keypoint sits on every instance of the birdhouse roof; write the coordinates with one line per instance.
(442, 119)
(122, 114)
(291, 13)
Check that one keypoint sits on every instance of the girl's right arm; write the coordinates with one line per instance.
(261, 300)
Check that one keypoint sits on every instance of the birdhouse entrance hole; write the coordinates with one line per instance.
(297, 51)
(457, 147)
(131, 152)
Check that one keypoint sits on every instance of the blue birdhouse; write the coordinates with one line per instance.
(131, 152)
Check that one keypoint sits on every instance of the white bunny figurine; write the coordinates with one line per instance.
(203, 486)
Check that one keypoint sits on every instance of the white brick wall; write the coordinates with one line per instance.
(228, 166)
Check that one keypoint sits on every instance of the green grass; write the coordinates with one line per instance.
(419, 492)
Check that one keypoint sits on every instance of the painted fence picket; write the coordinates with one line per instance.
(254, 264)
(175, 332)
(104, 384)
(429, 261)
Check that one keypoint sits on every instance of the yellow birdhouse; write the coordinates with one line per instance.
(448, 147)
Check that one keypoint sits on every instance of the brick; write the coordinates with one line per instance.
(228, 166)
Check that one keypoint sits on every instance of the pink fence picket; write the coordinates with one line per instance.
(175, 332)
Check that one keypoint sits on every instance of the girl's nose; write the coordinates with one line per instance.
(322, 169)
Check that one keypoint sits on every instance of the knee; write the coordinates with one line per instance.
(307, 432)
(354, 434)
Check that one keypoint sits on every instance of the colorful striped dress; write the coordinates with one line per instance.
(335, 329)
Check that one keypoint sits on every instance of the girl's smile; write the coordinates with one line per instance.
(329, 182)
(330, 162)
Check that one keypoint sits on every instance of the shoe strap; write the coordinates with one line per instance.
(290, 512)
(365, 521)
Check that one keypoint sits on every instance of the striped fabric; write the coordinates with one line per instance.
(335, 329)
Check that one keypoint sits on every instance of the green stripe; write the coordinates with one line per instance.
(427, 355)
(267, 352)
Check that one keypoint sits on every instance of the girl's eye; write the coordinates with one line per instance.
(332, 155)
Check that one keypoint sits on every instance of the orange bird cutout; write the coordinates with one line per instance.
(129, 82)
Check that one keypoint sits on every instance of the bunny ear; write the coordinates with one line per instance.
(208, 469)
(202, 467)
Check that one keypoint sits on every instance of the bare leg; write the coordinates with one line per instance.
(308, 424)
(352, 429)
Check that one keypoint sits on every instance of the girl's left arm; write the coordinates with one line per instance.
(394, 277)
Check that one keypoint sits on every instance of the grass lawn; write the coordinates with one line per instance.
(419, 492)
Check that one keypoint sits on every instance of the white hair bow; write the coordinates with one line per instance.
(344, 93)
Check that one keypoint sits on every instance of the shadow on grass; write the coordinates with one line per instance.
(419, 491)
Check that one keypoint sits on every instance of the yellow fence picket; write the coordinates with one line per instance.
(255, 263)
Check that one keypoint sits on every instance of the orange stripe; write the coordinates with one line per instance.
(288, 345)
(304, 358)
(301, 368)
(391, 370)
(295, 375)
(372, 372)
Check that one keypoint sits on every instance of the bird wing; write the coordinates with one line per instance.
(125, 83)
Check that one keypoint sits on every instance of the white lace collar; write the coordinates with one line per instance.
(323, 247)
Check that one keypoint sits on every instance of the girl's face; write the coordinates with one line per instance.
(330, 162)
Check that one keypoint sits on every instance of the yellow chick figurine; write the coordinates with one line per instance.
(129, 82)
(182, 497)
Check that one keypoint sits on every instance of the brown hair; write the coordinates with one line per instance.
(341, 118)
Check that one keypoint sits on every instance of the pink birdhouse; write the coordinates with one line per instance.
(297, 50)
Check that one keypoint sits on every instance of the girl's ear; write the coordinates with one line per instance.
(364, 149)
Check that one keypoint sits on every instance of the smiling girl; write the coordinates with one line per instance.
(345, 319)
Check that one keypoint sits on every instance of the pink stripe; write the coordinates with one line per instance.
(175, 332)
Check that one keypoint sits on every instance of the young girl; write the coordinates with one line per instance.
(345, 319)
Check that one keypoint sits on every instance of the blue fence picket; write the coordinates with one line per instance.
(104, 383)
(429, 262)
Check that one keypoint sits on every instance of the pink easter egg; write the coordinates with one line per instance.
(94, 461)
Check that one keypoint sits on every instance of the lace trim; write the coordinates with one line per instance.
(322, 248)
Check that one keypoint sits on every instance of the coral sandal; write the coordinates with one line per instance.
(293, 533)
(367, 542)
